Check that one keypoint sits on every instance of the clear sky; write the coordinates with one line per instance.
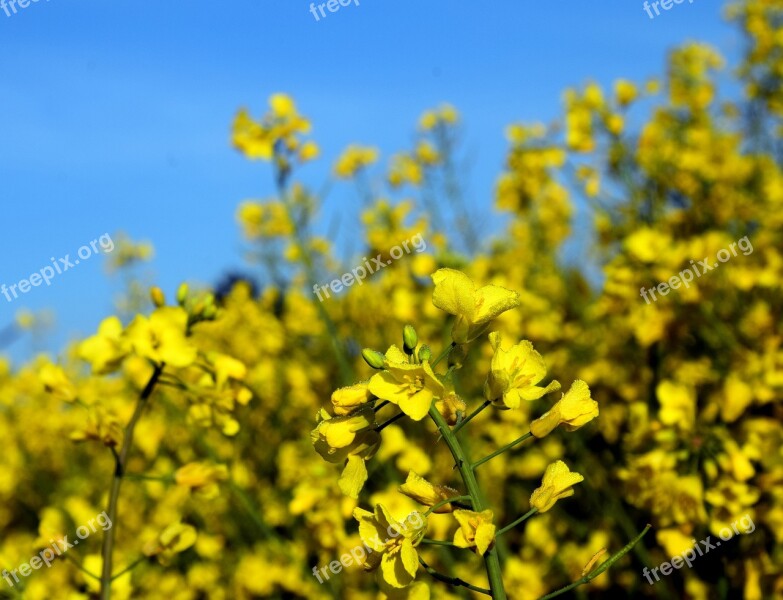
(115, 115)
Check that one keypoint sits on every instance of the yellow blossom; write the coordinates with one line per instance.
(625, 92)
(102, 426)
(56, 382)
(411, 387)
(514, 374)
(451, 406)
(201, 477)
(161, 337)
(456, 294)
(426, 493)
(345, 400)
(557, 483)
(176, 538)
(105, 350)
(476, 530)
(393, 544)
(350, 440)
(353, 159)
(575, 409)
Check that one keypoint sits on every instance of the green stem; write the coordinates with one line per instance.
(453, 580)
(381, 405)
(524, 517)
(459, 426)
(120, 465)
(443, 354)
(130, 567)
(396, 417)
(603, 567)
(435, 507)
(491, 561)
(80, 566)
(519, 440)
(436, 542)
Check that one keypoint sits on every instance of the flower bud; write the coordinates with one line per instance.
(373, 358)
(409, 338)
(425, 353)
(157, 296)
(182, 294)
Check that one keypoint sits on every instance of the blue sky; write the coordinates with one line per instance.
(115, 116)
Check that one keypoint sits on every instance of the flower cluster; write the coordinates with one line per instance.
(348, 433)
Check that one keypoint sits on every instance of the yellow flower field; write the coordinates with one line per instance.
(461, 418)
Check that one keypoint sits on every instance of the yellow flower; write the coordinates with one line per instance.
(347, 399)
(625, 92)
(309, 151)
(282, 106)
(161, 337)
(445, 114)
(269, 219)
(102, 426)
(556, 484)
(106, 350)
(514, 374)
(393, 544)
(456, 294)
(56, 382)
(251, 138)
(411, 387)
(353, 159)
(575, 409)
(341, 432)
(451, 406)
(678, 404)
(349, 439)
(428, 120)
(201, 478)
(174, 539)
(275, 133)
(476, 530)
(426, 493)
(404, 169)
(427, 154)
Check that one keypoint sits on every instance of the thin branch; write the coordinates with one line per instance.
(452, 580)
(396, 417)
(119, 473)
(524, 517)
(443, 354)
(130, 567)
(603, 567)
(519, 440)
(80, 566)
(435, 507)
(437, 542)
(459, 426)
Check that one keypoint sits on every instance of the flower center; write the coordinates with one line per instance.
(414, 384)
